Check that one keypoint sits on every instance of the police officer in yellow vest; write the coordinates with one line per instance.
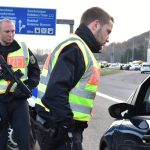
(69, 82)
(13, 105)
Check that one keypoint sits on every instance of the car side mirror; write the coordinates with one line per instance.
(120, 110)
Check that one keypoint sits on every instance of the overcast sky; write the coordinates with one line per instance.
(131, 17)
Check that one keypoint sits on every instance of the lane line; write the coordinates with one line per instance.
(109, 97)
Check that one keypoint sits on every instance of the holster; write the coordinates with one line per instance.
(39, 126)
(54, 135)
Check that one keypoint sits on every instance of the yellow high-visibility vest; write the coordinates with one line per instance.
(81, 97)
(18, 60)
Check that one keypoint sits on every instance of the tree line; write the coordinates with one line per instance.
(127, 51)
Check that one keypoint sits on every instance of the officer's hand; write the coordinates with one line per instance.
(61, 130)
(18, 93)
(67, 123)
(4, 74)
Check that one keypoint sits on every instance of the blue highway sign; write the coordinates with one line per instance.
(31, 20)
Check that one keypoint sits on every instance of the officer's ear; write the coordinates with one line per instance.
(94, 26)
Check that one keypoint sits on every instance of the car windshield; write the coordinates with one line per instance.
(146, 65)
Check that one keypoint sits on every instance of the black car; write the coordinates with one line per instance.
(131, 128)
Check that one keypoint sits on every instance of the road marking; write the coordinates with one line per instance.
(109, 97)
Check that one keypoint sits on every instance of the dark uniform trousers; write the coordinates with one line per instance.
(63, 144)
(16, 112)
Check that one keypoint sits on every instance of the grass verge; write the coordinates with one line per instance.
(109, 71)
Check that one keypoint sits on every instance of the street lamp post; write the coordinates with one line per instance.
(148, 49)
(133, 50)
(113, 53)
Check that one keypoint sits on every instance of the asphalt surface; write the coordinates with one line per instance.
(121, 85)
(118, 86)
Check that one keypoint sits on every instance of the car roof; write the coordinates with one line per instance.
(145, 63)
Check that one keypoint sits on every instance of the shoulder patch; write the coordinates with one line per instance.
(32, 59)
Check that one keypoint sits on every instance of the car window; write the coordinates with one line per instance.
(146, 102)
(142, 100)
(146, 65)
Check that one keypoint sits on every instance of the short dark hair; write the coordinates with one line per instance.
(95, 13)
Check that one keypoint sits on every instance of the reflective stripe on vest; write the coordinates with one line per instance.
(19, 60)
(81, 97)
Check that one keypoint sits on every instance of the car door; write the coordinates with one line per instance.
(134, 133)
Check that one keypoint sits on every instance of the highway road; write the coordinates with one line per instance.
(113, 88)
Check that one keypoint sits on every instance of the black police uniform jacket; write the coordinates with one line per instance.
(68, 70)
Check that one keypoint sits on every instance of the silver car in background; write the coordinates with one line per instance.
(145, 68)
(135, 67)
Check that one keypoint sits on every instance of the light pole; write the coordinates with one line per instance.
(133, 50)
(148, 49)
(113, 53)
